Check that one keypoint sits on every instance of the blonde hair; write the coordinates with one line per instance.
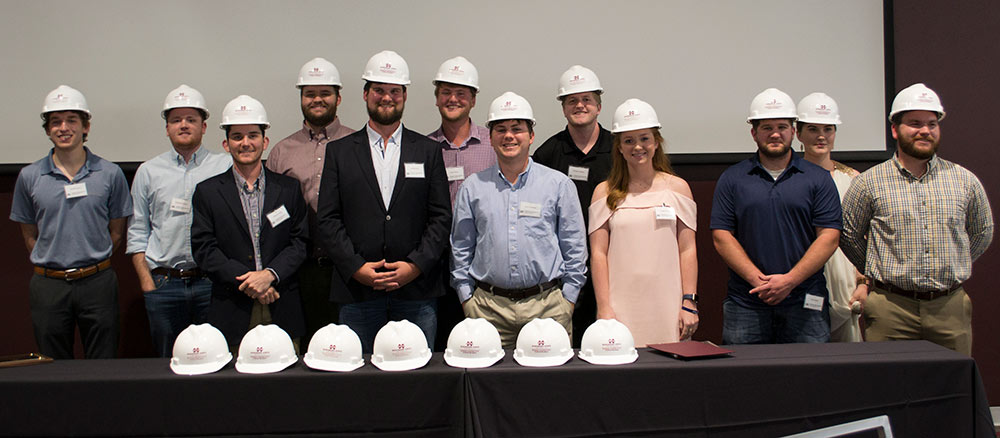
(618, 178)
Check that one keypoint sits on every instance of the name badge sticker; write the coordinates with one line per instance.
(578, 173)
(665, 213)
(414, 170)
(455, 173)
(278, 216)
(78, 190)
(180, 205)
(529, 209)
(813, 302)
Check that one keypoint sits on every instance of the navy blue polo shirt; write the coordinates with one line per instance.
(775, 221)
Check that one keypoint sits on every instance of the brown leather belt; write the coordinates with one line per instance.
(917, 295)
(75, 273)
(178, 273)
(519, 294)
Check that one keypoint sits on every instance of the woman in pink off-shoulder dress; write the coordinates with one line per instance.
(642, 235)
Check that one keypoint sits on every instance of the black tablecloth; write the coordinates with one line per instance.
(763, 390)
(141, 397)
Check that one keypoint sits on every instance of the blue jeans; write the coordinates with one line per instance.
(774, 325)
(367, 317)
(175, 304)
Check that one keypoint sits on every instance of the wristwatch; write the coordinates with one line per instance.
(692, 297)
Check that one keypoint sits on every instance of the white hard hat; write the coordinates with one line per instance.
(819, 108)
(510, 106)
(265, 349)
(458, 70)
(334, 348)
(917, 97)
(318, 72)
(473, 343)
(65, 98)
(200, 349)
(244, 110)
(183, 97)
(400, 346)
(387, 67)
(543, 342)
(577, 80)
(632, 115)
(772, 103)
(608, 342)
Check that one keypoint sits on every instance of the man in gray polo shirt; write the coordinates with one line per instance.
(72, 207)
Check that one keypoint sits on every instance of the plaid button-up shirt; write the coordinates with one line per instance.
(919, 234)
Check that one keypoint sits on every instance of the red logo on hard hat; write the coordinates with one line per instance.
(260, 349)
(181, 94)
(631, 114)
(611, 341)
(195, 350)
(772, 104)
(468, 343)
(577, 78)
(541, 342)
(402, 346)
(243, 108)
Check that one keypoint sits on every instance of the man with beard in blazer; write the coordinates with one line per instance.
(384, 213)
(249, 233)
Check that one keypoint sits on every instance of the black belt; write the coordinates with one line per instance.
(519, 294)
(917, 295)
(178, 273)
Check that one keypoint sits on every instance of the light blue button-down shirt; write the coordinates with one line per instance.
(495, 237)
(385, 158)
(164, 234)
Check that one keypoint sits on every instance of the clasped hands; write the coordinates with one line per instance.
(385, 276)
(773, 289)
(258, 286)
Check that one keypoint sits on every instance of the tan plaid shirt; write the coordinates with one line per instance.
(923, 233)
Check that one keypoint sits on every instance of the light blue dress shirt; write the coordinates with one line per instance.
(385, 158)
(496, 238)
(164, 234)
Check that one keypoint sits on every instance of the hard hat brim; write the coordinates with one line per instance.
(472, 362)
(264, 368)
(552, 361)
(403, 365)
(610, 360)
(205, 368)
(324, 365)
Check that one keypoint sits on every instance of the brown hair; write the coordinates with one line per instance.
(618, 179)
(84, 121)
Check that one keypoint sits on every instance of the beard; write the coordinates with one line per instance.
(321, 120)
(771, 153)
(908, 146)
(385, 115)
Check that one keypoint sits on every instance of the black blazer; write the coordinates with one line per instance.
(221, 245)
(355, 227)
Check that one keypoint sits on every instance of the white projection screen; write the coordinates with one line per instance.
(699, 63)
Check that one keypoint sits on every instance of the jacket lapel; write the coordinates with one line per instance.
(272, 198)
(407, 154)
(230, 194)
(362, 150)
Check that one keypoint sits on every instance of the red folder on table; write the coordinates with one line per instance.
(691, 349)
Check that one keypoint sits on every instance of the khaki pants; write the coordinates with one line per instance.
(946, 321)
(508, 315)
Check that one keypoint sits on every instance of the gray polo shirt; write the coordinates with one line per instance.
(72, 232)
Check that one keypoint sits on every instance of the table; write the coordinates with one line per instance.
(762, 390)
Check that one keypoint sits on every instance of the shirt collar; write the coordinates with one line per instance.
(327, 132)
(602, 145)
(795, 164)
(520, 177)
(242, 182)
(931, 165)
(195, 157)
(375, 137)
(476, 135)
(91, 164)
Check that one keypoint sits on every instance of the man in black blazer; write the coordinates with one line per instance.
(249, 233)
(384, 213)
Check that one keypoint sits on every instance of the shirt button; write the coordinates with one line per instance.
(318, 158)
(388, 217)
